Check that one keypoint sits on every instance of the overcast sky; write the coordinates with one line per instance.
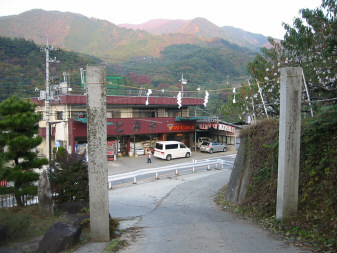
(257, 16)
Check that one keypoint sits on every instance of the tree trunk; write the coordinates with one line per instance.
(18, 200)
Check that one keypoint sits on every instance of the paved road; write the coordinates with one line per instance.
(129, 164)
(179, 215)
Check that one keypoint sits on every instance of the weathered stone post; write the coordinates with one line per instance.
(289, 142)
(44, 195)
(97, 154)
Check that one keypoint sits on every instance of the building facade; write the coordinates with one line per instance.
(132, 124)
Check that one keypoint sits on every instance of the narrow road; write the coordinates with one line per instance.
(180, 215)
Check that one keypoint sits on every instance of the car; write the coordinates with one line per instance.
(171, 149)
(201, 140)
(210, 147)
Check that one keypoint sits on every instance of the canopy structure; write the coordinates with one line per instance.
(85, 121)
(198, 119)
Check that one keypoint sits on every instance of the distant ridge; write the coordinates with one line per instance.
(201, 27)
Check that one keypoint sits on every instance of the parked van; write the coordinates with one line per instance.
(171, 149)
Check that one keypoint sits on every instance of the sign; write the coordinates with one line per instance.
(227, 128)
(219, 126)
(173, 127)
(207, 120)
(57, 144)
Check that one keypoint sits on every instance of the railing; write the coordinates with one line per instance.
(145, 175)
(165, 172)
(8, 200)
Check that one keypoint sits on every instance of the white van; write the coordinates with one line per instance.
(171, 149)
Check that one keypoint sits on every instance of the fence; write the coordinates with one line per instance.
(8, 200)
(145, 175)
(120, 180)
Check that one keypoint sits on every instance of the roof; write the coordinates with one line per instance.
(126, 100)
(85, 121)
(200, 118)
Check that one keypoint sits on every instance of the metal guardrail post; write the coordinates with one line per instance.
(134, 180)
(157, 177)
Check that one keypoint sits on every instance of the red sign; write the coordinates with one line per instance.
(173, 127)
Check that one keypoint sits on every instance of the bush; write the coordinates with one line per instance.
(316, 218)
(69, 177)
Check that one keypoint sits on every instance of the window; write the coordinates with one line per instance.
(171, 146)
(159, 146)
(231, 140)
(173, 112)
(182, 145)
(148, 113)
(59, 115)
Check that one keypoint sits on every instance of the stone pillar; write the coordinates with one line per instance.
(44, 195)
(289, 142)
(97, 154)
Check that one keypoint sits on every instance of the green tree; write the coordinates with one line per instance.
(69, 177)
(311, 44)
(18, 137)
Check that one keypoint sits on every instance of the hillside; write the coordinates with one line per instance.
(101, 38)
(22, 68)
(204, 28)
(206, 61)
(124, 47)
(71, 31)
(252, 188)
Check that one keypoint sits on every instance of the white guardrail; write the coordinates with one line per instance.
(8, 200)
(185, 168)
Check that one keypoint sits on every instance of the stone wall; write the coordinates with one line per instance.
(238, 181)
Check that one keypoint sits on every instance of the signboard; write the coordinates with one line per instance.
(218, 126)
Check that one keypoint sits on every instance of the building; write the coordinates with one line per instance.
(132, 123)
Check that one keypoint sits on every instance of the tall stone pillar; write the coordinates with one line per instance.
(289, 142)
(97, 154)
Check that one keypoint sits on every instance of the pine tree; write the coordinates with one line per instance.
(18, 139)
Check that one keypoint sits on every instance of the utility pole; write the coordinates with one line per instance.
(47, 102)
(253, 106)
(182, 81)
(44, 191)
(47, 106)
(264, 105)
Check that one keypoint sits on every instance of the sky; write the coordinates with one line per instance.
(257, 16)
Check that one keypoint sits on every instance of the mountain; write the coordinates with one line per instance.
(22, 68)
(197, 48)
(204, 28)
(87, 35)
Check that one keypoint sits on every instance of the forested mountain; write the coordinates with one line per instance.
(204, 28)
(138, 51)
(22, 67)
(103, 39)
(198, 50)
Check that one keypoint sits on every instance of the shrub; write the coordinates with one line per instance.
(69, 177)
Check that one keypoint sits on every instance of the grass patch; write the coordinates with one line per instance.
(115, 245)
(24, 223)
